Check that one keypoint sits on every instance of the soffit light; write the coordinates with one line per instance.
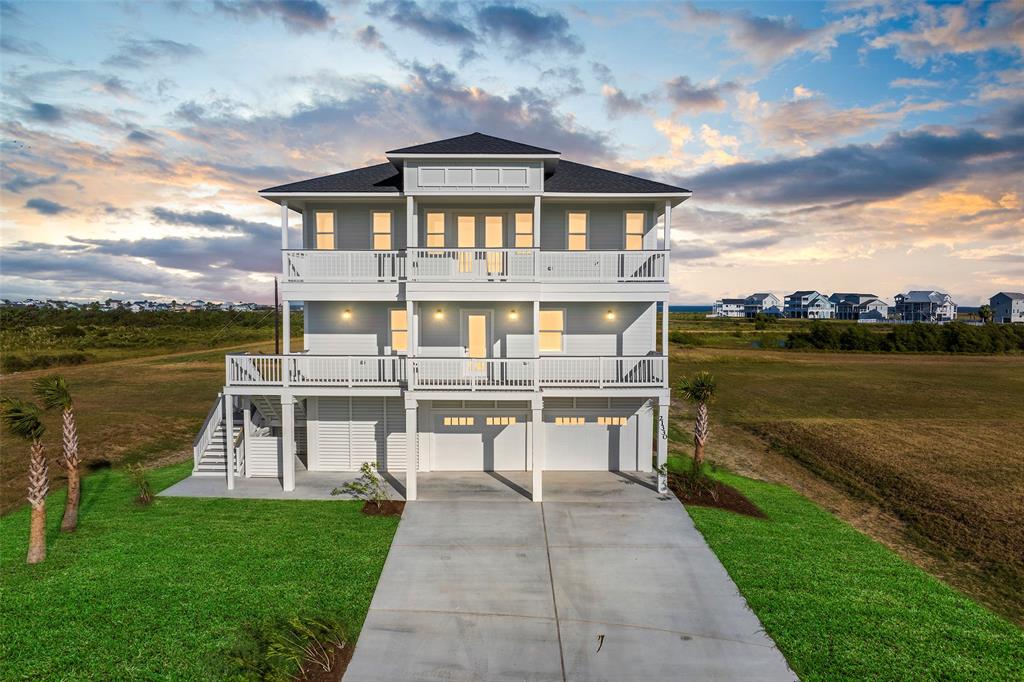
(610, 315)
(438, 314)
(346, 314)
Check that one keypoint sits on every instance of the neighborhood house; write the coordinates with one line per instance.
(471, 304)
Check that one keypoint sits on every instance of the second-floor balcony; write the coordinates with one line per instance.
(474, 265)
(447, 374)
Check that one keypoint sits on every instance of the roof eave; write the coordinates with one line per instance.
(441, 155)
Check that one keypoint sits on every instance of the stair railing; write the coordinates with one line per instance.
(213, 419)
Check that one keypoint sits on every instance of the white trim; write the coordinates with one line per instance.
(625, 225)
(464, 314)
(586, 230)
(552, 195)
(442, 156)
(618, 195)
(390, 348)
(320, 195)
(391, 229)
(538, 330)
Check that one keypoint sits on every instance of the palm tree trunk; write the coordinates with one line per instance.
(38, 486)
(700, 436)
(698, 456)
(71, 461)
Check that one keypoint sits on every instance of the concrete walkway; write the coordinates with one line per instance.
(613, 583)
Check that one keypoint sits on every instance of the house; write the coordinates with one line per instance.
(762, 304)
(809, 305)
(470, 304)
(728, 307)
(1007, 307)
(924, 306)
(852, 306)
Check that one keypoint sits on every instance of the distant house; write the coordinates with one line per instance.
(851, 306)
(1007, 307)
(728, 307)
(768, 304)
(924, 306)
(810, 305)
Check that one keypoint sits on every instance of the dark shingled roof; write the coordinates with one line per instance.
(577, 177)
(383, 177)
(474, 143)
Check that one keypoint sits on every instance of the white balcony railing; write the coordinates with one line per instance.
(474, 265)
(344, 266)
(314, 370)
(448, 374)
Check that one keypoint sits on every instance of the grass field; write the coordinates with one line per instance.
(933, 442)
(843, 607)
(163, 592)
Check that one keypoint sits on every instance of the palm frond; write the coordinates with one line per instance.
(52, 391)
(22, 418)
(700, 388)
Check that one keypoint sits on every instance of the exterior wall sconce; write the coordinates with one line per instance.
(438, 314)
(610, 315)
(346, 314)
(513, 314)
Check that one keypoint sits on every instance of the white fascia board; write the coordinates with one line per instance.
(305, 391)
(473, 156)
(524, 394)
(329, 195)
(652, 392)
(341, 291)
(682, 196)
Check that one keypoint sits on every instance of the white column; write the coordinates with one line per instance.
(246, 427)
(537, 432)
(664, 327)
(663, 402)
(410, 321)
(411, 238)
(229, 438)
(288, 442)
(286, 326)
(284, 224)
(536, 222)
(536, 329)
(410, 450)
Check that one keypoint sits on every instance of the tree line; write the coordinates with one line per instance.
(955, 337)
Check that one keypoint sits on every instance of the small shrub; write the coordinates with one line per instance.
(369, 487)
(289, 649)
(138, 475)
(686, 339)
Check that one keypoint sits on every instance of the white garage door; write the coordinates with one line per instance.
(477, 441)
(581, 436)
(350, 431)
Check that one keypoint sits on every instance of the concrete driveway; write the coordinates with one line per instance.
(603, 581)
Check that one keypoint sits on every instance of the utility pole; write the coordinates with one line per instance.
(277, 322)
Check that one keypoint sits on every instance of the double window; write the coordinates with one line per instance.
(552, 328)
(325, 229)
(399, 324)
(576, 239)
(524, 230)
(634, 230)
(435, 230)
(381, 230)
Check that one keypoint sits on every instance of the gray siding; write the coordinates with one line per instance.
(353, 226)
(589, 332)
(366, 333)
(506, 210)
(443, 338)
(606, 225)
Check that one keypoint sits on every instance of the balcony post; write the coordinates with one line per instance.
(410, 450)
(664, 327)
(288, 442)
(284, 224)
(663, 403)
(229, 439)
(286, 326)
(536, 222)
(411, 236)
(246, 427)
(537, 438)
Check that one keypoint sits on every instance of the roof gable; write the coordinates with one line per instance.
(383, 177)
(474, 143)
(570, 176)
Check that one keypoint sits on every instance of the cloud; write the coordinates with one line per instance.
(22, 181)
(46, 207)
(44, 113)
(915, 83)
(215, 220)
(690, 97)
(441, 26)
(15, 45)
(141, 137)
(901, 164)
(137, 54)
(528, 30)
(961, 29)
(299, 16)
(618, 103)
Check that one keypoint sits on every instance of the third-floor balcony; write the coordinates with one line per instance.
(475, 265)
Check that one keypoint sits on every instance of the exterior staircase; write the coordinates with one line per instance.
(213, 461)
(210, 446)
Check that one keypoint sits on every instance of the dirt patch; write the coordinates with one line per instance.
(339, 656)
(386, 508)
(711, 493)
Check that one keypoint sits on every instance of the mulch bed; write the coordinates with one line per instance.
(711, 493)
(340, 657)
(388, 508)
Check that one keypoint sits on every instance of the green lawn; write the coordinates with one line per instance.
(161, 592)
(843, 607)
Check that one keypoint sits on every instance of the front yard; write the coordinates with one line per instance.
(840, 606)
(163, 592)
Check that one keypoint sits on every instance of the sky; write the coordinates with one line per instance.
(862, 146)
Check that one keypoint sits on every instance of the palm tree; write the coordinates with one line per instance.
(53, 392)
(699, 390)
(21, 418)
(985, 313)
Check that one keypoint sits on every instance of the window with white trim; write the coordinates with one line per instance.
(524, 230)
(381, 230)
(551, 328)
(435, 230)
(613, 421)
(576, 239)
(459, 421)
(399, 321)
(501, 421)
(324, 229)
(570, 421)
(634, 230)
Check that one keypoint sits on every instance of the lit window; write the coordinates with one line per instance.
(501, 421)
(466, 231)
(435, 230)
(552, 325)
(634, 231)
(325, 229)
(524, 230)
(570, 421)
(459, 421)
(382, 230)
(494, 232)
(577, 231)
(399, 330)
(612, 421)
